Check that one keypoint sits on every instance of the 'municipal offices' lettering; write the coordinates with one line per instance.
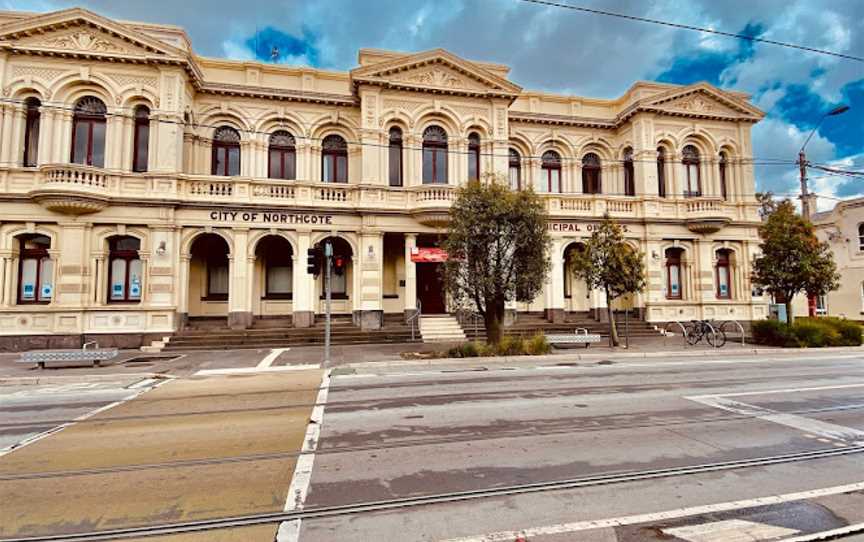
(574, 227)
(271, 217)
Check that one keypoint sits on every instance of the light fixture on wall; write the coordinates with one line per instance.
(655, 255)
(161, 249)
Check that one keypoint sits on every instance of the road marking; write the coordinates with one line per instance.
(565, 528)
(810, 426)
(256, 370)
(828, 535)
(289, 531)
(143, 383)
(271, 357)
(773, 392)
(729, 530)
(39, 436)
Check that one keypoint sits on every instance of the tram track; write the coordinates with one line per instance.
(432, 499)
(471, 437)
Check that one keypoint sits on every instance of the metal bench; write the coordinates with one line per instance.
(579, 336)
(89, 353)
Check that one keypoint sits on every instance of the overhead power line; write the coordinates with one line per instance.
(593, 11)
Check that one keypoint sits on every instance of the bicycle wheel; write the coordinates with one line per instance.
(694, 333)
(716, 339)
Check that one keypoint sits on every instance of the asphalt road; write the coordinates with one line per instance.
(700, 449)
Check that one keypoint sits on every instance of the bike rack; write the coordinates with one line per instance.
(713, 333)
(740, 328)
(683, 332)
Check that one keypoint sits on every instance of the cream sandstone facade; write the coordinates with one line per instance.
(199, 236)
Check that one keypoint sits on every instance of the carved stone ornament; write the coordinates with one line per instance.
(700, 104)
(433, 77)
(83, 40)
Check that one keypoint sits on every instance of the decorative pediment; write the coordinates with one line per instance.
(703, 100)
(80, 32)
(436, 70)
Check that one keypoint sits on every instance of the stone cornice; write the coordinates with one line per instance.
(279, 94)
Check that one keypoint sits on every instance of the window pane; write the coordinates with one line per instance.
(514, 178)
(338, 283)
(218, 161)
(472, 164)
(218, 279)
(428, 156)
(118, 280)
(142, 148)
(674, 281)
(441, 167)
(342, 169)
(555, 181)
(327, 174)
(275, 164)
(279, 280)
(395, 164)
(233, 161)
(31, 140)
(28, 279)
(288, 157)
(135, 279)
(46, 276)
(98, 144)
(723, 281)
(82, 134)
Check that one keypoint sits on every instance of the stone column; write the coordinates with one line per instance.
(46, 136)
(239, 304)
(70, 269)
(554, 286)
(8, 294)
(115, 138)
(182, 290)
(7, 134)
(4, 276)
(371, 260)
(303, 285)
(410, 276)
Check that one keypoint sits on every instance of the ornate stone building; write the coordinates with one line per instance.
(142, 185)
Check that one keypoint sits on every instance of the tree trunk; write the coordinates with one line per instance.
(789, 318)
(494, 320)
(613, 331)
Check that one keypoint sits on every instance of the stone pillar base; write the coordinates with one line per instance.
(182, 320)
(304, 318)
(239, 319)
(369, 320)
(556, 316)
(600, 314)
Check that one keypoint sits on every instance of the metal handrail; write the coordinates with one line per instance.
(414, 318)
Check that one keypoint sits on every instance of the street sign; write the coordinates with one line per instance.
(428, 255)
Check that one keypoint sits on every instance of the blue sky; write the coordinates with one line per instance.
(563, 51)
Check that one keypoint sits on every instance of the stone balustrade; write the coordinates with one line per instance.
(77, 189)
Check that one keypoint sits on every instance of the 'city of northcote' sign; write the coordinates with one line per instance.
(271, 217)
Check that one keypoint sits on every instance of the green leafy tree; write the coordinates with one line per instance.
(609, 263)
(767, 204)
(793, 260)
(498, 245)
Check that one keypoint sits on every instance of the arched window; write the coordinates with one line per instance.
(692, 180)
(473, 156)
(674, 284)
(629, 173)
(31, 132)
(281, 156)
(723, 163)
(661, 172)
(141, 143)
(724, 275)
(515, 170)
(861, 236)
(591, 180)
(277, 256)
(35, 270)
(550, 167)
(88, 132)
(334, 159)
(125, 269)
(434, 155)
(395, 156)
(226, 152)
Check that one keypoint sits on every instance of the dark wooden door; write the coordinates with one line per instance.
(430, 288)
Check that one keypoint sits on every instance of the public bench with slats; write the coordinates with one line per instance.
(579, 336)
(90, 353)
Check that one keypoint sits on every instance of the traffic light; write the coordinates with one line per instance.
(339, 265)
(313, 258)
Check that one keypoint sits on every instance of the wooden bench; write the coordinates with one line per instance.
(89, 353)
(579, 336)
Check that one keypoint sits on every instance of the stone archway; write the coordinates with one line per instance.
(577, 296)
(209, 277)
(273, 278)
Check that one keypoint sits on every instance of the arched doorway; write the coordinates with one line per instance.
(273, 277)
(209, 276)
(430, 277)
(341, 277)
(577, 297)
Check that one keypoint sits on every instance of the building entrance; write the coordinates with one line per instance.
(430, 288)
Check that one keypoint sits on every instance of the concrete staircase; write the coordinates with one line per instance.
(528, 324)
(441, 328)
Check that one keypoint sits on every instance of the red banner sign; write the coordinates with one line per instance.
(428, 255)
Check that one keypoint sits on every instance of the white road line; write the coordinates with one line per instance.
(143, 383)
(30, 440)
(773, 392)
(289, 531)
(271, 357)
(564, 528)
(256, 370)
(828, 535)
(807, 425)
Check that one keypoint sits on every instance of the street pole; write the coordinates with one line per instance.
(328, 257)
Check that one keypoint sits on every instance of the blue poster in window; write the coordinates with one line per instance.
(724, 289)
(674, 288)
(28, 291)
(46, 291)
(135, 288)
(117, 290)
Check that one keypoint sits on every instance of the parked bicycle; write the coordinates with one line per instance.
(704, 329)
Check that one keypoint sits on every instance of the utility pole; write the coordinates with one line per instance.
(328, 258)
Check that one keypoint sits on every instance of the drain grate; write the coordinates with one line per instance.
(150, 358)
